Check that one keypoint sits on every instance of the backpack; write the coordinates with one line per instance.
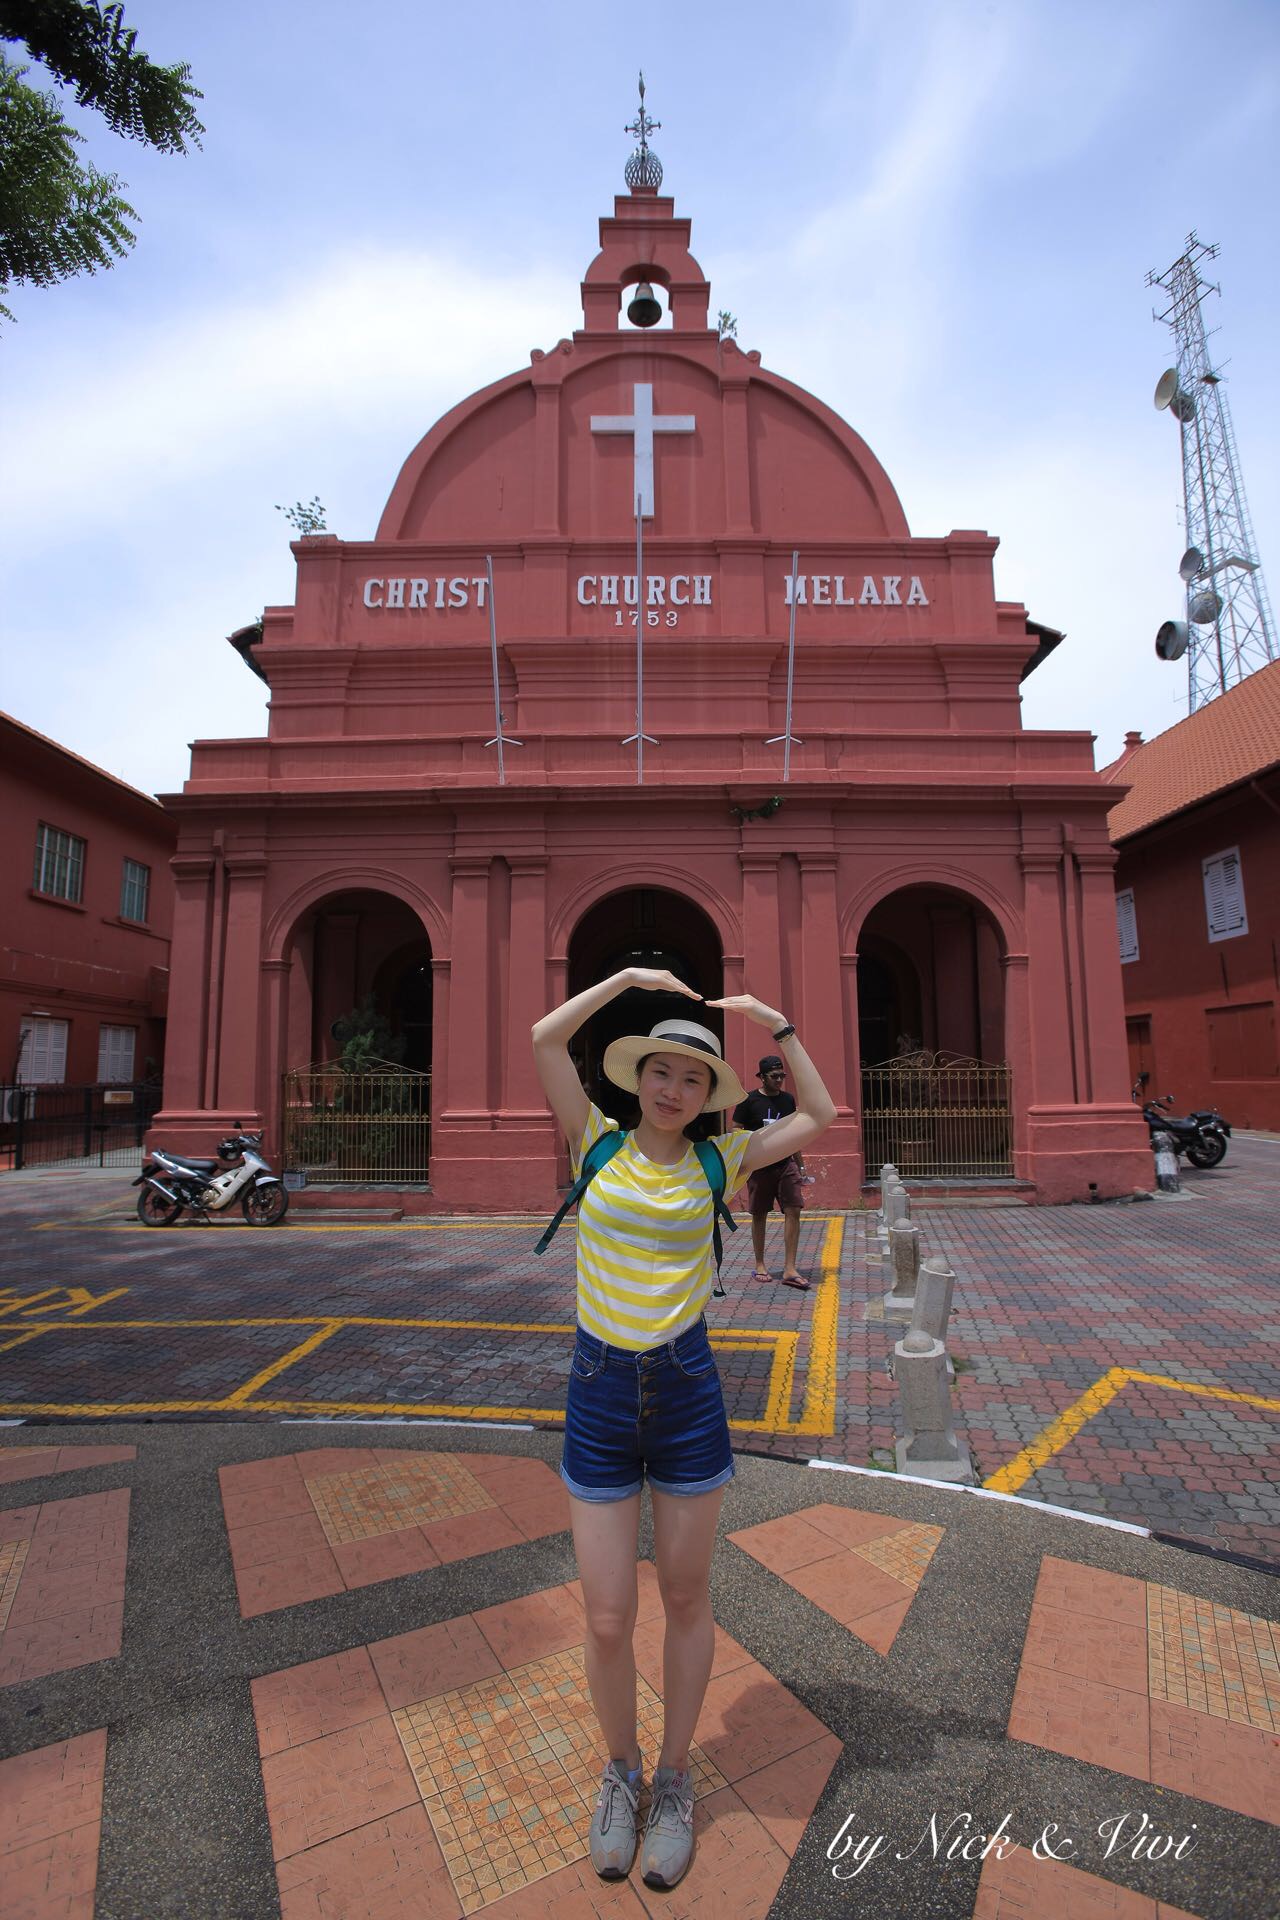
(601, 1152)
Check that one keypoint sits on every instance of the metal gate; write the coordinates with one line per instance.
(366, 1128)
(75, 1126)
(936, 1116)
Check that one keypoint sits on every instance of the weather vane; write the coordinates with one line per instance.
(643, 169)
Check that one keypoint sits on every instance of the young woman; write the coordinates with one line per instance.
(644, 1394)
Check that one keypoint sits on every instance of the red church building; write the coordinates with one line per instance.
(924, 887)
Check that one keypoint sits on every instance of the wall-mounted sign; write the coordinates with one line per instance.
(421, 593)
(876, 590)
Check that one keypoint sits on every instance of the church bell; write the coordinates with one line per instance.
(645, 310)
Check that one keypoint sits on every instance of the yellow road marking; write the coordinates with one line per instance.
(300, 1352)
(7, 1346)
(1016, 1472)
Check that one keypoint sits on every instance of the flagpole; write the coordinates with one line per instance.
(500, 739)
(640, 736)
(788, 737)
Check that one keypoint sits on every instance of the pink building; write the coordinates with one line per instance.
(1198, 903)
(917, 876)
(87, 897)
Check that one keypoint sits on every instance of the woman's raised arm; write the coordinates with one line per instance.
(552, 1034)
(815, 1109)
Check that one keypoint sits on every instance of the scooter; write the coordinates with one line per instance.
(172, 1183)
(1201, 1135)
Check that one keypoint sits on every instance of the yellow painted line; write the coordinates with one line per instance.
(7, 1346)
(300, 1352)
(818, 1414)
(1016, 1472)
(719, 1336)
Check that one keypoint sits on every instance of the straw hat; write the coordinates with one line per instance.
(622, 1059)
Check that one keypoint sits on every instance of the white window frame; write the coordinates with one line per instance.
(1127, 926)
(42, 1061)
(1225, 915)
(117, 1050)
(138, 878)
(59, 864)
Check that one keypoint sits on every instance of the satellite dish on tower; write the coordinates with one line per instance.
(1171, 641)
(1169, 394)
(1191, 563)
(1205, 607)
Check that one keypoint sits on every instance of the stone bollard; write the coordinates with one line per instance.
(935, 1284)
(904, 1265)
(888, 1178)
(1167, 1179)
(929, 1447)
(897, 1204)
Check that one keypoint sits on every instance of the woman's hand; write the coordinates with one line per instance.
(658, 980)
(753, 1008)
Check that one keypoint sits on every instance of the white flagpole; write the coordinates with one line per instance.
(789, 738)
(640, 736)
(500, 739)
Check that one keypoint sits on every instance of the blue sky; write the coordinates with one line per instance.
(937, 217)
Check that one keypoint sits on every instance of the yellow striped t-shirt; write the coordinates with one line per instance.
(645, 1261)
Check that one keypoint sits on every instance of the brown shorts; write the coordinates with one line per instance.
(780, 1182)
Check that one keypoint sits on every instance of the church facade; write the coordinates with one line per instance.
(831, 802)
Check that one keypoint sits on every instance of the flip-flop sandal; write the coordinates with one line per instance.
(801, 1286)
(761, 1274)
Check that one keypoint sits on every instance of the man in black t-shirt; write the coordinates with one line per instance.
(782, 1182)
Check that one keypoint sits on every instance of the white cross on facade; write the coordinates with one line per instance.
(643, 423)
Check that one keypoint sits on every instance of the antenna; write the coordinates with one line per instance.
(1228, 632)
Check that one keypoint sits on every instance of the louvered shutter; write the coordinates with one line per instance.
(1127, 925)
(1224, 895)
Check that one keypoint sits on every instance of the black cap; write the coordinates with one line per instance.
(770, 1064)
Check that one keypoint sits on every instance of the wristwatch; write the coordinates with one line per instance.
(784, 1033)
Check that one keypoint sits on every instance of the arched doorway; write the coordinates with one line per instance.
(356, 1099)
(640, 927)
(936, 1096)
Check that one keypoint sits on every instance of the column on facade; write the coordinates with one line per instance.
(238, 1089)
(275, 1028)
(820, 968)
(188, 984)
(737, 453)
(546, 452)
(761, 933)
(1102, 986)
(526, 982)
(1075, 969)
(1017, 1046)
(464, 1095)
(1049, 1005)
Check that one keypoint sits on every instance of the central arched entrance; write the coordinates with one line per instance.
(640, 927)
(936, 1096)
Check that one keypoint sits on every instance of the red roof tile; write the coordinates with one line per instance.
(1233, 738)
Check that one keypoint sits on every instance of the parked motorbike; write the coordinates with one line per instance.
(174, 1183)
(1202, 1136)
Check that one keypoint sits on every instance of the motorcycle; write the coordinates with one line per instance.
(1202, 1136)
(172, 1183)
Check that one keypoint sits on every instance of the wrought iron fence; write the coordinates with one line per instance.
(75, 1126)
(936, 1116)
(362, 1129)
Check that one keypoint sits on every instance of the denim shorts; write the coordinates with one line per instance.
(659, 1412)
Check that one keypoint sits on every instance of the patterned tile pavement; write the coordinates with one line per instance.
(329, 1520)
(1117, 1359)
(50, 1820)
(1017, 1887)
(63, 1586)
(457, 1767)
(862, 1568)
(30, 1463)
(1153, 1683)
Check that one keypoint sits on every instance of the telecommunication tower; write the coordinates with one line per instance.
(1228, 631)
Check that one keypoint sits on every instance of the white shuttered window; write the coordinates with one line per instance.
(1224, 895)
(43, 1060)
(115, 1054)
(1127, 925)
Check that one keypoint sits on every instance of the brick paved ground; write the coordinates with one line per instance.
(1055, 1310)
(900, 1672)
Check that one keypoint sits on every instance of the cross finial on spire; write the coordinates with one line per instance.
(643, 169)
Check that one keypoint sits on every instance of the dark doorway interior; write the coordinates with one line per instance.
(642, 927)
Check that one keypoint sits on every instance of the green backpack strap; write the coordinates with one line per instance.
(597, 1155)
(711, 1160)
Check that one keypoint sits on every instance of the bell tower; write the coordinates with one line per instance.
(645, 246)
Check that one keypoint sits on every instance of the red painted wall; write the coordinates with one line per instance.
(80, 963)
(1212, 1007)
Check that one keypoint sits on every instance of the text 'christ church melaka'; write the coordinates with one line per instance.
(449, 823)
